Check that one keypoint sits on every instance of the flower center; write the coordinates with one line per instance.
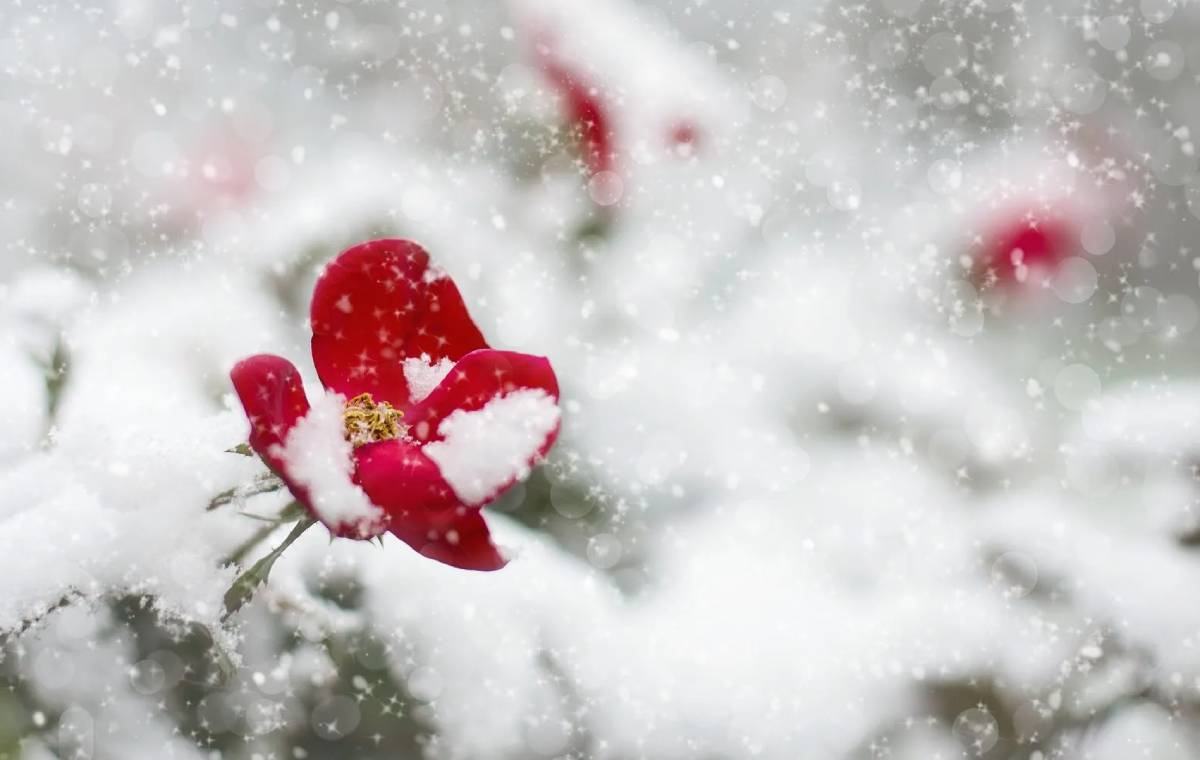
(366, 422)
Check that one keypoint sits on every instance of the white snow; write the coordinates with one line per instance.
(320, 458)
(423, 375)
(485, 449)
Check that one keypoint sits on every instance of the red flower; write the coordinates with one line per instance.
(1023, 246)
(585, 110)
(393, 444)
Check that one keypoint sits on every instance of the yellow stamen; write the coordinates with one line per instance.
(366, 422)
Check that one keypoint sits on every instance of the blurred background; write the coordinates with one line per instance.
(875, 323)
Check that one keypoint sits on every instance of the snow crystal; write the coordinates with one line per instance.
(484, 450)
(319, 458)
(423, 375)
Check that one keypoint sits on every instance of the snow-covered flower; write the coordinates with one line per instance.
(421, 424)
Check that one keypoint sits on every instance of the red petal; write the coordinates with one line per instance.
(422, 509)
(465, 543)
(398, 477)
(273, 396)
(479, 377)
(378, 303)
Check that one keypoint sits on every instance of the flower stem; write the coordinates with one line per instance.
(289, 513)
(244, 587)
(263, 484)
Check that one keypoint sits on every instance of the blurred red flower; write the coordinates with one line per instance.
(1017, 248)
(584, 110)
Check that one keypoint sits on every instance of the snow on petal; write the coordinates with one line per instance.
(378, 303)
(482, 451)
(319, 458)
(423, 375)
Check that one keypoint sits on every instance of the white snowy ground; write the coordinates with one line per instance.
(828, 484)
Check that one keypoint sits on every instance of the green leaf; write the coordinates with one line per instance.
(223, 498)
(248, 582)
(291, 512)
(243, 449)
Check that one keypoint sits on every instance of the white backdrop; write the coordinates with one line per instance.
(824, 489)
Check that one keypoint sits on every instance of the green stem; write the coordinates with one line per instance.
(248, 545)
(263, 484)
(55, 368)
(244, 587)
(291, 512)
